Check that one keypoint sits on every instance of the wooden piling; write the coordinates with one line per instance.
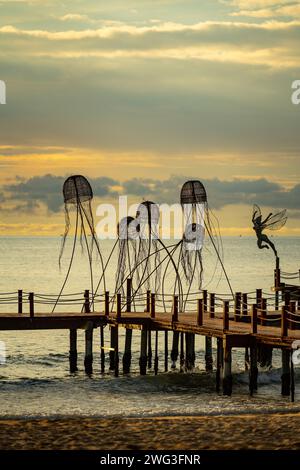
(152, 306)
(113, 346)
(119, 306)
(31, 304)
(237, 306)
(143, 353)
(149, 355)
(175, 308)
(88, 358)
(284, 322)
(253, 370)
(189, 351)
(156, 354)
(205, 303)
(128, 294)
(208, 354)
(116, 355)
(166, 350)
(148, 301)
(102, 351)
(174, 351)
(20, 302)
(227, 376)
(87, 301)
(212, 305)
(73, 350)
(292, 379)
(225, 315)
(286, 373)
(127, 352)
(254, 319)
(106, 303)
(219, 363)
(200, 312)
(181, 358)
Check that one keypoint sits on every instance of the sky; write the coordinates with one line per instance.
(140, 96)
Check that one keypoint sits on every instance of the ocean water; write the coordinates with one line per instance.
(35, 379)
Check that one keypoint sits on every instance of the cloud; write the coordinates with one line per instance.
(47, 190)
(74, 17)
(265, 8)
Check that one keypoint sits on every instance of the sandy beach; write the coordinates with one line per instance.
(263, 431)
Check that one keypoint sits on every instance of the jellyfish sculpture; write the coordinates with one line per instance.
(78, 195)
(147, 260)
(127, 237)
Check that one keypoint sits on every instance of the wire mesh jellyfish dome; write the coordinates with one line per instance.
(77, 188)
(193, 192)
(148, 212)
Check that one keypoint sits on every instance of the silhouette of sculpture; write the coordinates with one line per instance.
(271, 222)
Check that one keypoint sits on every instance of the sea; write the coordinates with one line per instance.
(34, 377)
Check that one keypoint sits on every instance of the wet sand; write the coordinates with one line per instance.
(261, 431)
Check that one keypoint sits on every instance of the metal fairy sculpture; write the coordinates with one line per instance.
(78, 195)
(271, 222)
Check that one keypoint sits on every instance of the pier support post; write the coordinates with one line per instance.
(102, 352)
(219, 363)
(181, 352)
(156, 354)
(174, 351)
(190, 351)
(73, 350)
(149, 355)
(253, 371)
(20, 302)
(88, 359)
(113, 346)
(143, 356)
(208, 354)
(227, 377)
(166, 351)
(127, 351)
(286, 373)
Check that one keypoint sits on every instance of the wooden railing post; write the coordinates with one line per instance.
(254, 319)
(175, 308)
(20, 301)
(31, 304)
(237, 306)
(205, 301)
(106, 305)
(212, 305)
(245, 304)
(152, 306)
(128, 295)
(200, 312)
(119, 306)
(284, 323)
(292, 309)
(263, 312)
(87, 301)
(226, 315)
(258, 298)
(148, 301)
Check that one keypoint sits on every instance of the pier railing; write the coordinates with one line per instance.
(258, 308)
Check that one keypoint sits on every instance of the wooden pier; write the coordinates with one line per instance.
(257, 326)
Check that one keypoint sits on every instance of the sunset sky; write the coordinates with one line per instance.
(141, 95)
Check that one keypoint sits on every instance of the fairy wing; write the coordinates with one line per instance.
(277, 221)
(256, 211)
